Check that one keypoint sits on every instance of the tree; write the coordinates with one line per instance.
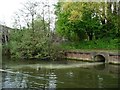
(93, 20)
(30, 11)
(24, 44)
(38, 44)
(110, 25)
(17, 21)
(77, 19)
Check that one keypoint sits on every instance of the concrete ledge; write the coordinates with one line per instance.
(112, 58)
(78, 59)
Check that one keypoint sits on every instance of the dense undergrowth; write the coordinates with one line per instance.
(102, 44)
(29, 45)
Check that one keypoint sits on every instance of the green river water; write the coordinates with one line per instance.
(58, 74)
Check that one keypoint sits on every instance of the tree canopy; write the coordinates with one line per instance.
(87, 20)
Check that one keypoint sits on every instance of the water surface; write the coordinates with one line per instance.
(58, 74)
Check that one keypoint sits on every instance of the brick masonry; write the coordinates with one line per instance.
(90, 56)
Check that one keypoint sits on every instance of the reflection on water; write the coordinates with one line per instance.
(19, 80)
(100, 67)
(37, 76)
(14, 80)
(100, 81)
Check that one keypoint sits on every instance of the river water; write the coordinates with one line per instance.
(58, 74)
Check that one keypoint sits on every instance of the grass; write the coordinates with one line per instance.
(96, 45)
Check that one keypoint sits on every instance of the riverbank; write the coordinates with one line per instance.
(94, 50)
(107, 56)
(101, 44)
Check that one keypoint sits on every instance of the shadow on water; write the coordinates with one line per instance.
(100, 67)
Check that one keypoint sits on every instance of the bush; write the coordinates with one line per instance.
(26, 44)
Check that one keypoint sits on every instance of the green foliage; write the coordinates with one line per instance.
(86, 20)
(28, 44)
(84, 25)
(97, 44)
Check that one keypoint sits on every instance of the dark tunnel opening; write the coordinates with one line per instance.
(99, 58)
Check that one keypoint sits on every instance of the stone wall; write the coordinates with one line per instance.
(4, 32)
(90, 56)
(79, 55)
(114, 58)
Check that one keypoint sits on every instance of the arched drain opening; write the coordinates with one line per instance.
(99, 58)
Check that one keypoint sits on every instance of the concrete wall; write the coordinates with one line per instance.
(114, 58)
(90, 56)
(104, 54)
(4, 32)
(79, 55)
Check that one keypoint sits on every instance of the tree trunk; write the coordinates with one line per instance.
(115, 8)
(33, 23)
(119, 8)
(43, 20)
(90, 35)
(109, 9)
